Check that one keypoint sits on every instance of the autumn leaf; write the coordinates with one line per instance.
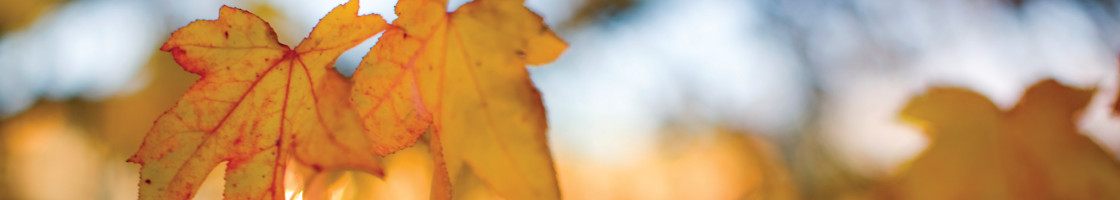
(462, 75)
(1032, 151)
(258, 104)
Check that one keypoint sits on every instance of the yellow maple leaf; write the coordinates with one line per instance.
(1032, 151)
(462, 75)
(257, 105)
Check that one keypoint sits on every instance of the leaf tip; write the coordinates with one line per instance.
(134, 159)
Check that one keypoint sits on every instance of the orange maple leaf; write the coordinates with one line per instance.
(1032, 151)
(462, 75)
(258, 104)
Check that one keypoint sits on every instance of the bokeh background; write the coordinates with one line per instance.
(654, 99)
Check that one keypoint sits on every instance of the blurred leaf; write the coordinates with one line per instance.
(1032, 151)
(46, 155)
(821, 174)
(599, 11)
(719, 164)
(17, 14)
(258, 104)
(463, 74)
(736, 166)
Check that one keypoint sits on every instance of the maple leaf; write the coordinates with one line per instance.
(1032, 151)
(462, 75)
(258, 104)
